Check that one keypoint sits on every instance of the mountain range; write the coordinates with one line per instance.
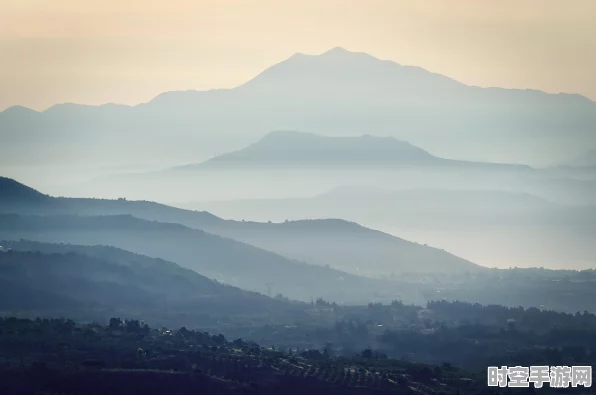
(336, 93)
(490, 227)
(292, 149)
(338, 244)
(225, 260)
(414, 273)
(289, 164)
(413, 207)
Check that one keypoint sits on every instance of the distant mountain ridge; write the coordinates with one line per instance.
(338, 92)
(295, 149)
(304, 74)
(340, 244)
(19, 198)
(414, 207)
(489, 227)
(331, 65)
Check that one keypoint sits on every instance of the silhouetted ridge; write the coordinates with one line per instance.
(328, 225)
(121, 222)
(353, 73)
(337, 92)
(11, 190)
(18, 110)
(298, 147)
(233, 262)
(18, 198)
(342, 53)
(343, 245)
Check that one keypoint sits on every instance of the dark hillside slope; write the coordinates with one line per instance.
(340, 244)
(49, 278)
(226, 260)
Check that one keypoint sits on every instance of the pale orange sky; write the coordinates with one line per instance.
(128, 51)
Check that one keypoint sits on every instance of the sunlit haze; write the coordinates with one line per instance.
(95, 52)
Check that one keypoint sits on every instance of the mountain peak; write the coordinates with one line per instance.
(338, 72)
(19, 110)
(337, 51)
(344, 54)
(333, 52)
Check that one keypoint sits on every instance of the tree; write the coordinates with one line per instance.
(133, 326)
(115, 324)
(184, 332)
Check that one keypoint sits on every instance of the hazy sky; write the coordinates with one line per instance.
(128, 51)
